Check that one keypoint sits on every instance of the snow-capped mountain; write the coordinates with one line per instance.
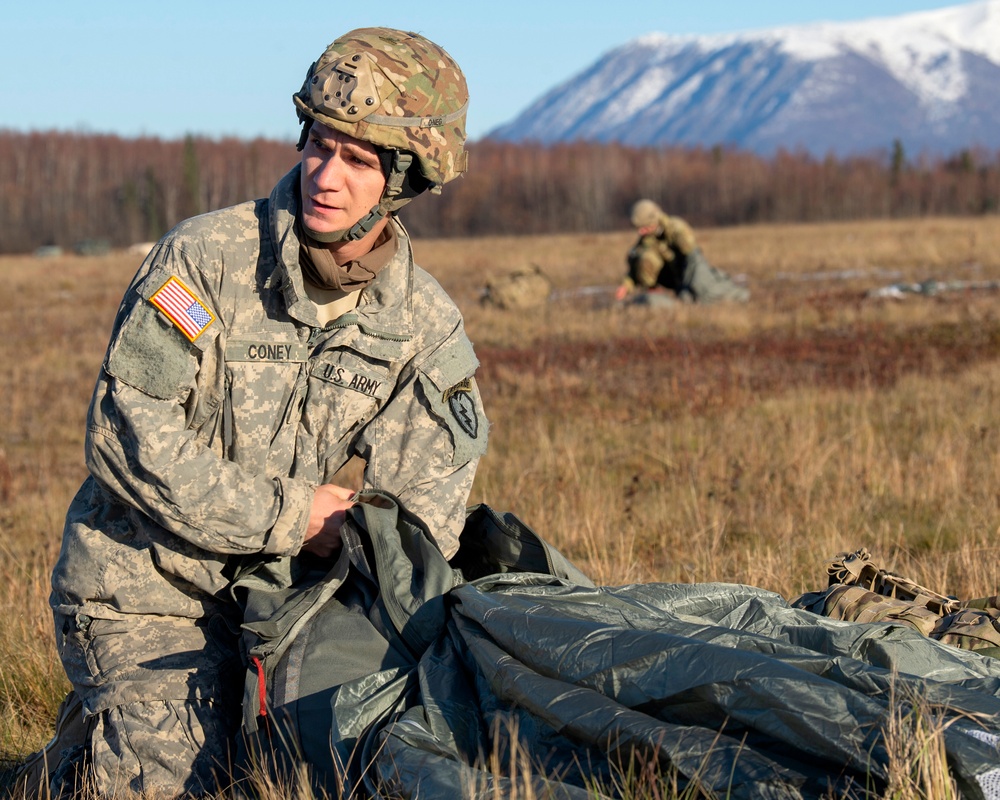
(930, 79)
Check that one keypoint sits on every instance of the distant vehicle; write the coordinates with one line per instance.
(48, 251)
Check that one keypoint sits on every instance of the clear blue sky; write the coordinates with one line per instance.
(221, 67)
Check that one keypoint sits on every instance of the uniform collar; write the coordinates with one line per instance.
(384, 308)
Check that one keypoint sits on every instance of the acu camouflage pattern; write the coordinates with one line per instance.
(670, 258)
(861, 591)
(204, 453)
(153, 749)
(396, 90)
(672, 242)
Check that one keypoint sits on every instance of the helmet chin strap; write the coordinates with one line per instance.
(358, 230)
(395, 163)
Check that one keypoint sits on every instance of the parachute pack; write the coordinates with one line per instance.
(861, 591)
(333, 652)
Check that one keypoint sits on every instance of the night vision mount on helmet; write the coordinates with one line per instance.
(400, 92)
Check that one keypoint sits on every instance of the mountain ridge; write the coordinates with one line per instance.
(930, 79)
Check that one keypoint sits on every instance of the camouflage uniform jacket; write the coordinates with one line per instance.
(661, 258)
(670, 258)
(207, 447)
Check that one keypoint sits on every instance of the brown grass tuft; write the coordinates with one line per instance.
(743, 444)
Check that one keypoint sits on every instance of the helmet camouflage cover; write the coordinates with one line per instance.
(396, 90)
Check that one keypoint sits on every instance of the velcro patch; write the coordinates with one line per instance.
(180, 305)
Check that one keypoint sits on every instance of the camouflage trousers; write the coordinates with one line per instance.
(157, 749)
(151, 711)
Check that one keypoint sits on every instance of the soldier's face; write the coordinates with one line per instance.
(341, 180)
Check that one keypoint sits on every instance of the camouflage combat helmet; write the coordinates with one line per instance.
(400, 92)
(645, 213)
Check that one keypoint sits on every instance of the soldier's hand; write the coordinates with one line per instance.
(329, 509)
(621, 292)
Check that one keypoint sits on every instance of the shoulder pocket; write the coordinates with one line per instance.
(152, 348)
(454, 361)
(147, 354)
(454, 398)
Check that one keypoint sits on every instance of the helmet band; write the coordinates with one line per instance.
(417, 122)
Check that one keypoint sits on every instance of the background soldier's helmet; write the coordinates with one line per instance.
(400, 92)
(645, 213)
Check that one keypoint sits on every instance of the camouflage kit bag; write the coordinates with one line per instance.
(526, 288)
(860, 591)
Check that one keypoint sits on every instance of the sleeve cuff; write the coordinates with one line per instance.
(289, 529)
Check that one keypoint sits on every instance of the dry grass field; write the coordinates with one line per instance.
(740, 444)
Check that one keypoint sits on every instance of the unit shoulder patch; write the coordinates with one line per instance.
(462, 407)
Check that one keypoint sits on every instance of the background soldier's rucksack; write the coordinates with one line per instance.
(523, 288)
(860, 591)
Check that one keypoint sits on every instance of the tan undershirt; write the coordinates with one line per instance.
(331, 303)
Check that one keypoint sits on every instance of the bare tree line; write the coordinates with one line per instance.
(64, 188)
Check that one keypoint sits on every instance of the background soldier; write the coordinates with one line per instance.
(666, 257)
(257, 349)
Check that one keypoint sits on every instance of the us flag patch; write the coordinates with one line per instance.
(182, 308)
